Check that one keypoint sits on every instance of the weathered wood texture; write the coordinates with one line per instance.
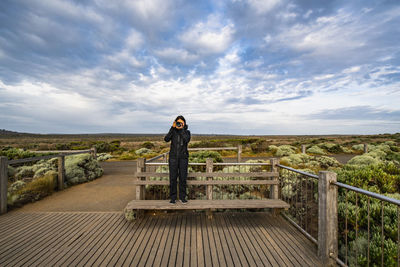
(140, 170)
(208, 204)
(212, 182)
(183, 239)
(213, 174)
(61, 172)
(3, 184)
(328, 218)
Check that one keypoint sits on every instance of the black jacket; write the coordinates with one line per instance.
(179, 142)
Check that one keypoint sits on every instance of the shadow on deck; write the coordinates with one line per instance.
(174, 239)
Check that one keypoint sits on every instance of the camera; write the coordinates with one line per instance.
(178, 124)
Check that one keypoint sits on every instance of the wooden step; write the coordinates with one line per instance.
(211, 182)
(207, 204)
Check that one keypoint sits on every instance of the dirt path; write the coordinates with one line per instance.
(111, 192)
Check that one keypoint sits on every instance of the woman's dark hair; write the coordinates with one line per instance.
(180, 117)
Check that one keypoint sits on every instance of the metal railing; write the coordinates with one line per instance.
(368, 228)
(362, 235)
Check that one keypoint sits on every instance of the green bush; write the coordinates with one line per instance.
(143, 151)
(316, 150)
(81, 168)
(201, 156)
(285, 150)
(148, 145)
(16, 153)
(259, 146)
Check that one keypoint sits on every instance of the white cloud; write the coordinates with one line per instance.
(209, 37)
(174, 55)
(263, 6)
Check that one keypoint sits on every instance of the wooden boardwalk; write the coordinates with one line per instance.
(166, 239)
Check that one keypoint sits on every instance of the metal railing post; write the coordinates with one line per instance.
(327, 218)
(3, 184)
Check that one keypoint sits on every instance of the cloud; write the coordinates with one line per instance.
(209, 37)
(108, 66)
(358, 113)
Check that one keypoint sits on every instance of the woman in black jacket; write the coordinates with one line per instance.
(179, 135)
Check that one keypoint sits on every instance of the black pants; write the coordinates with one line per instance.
(177, 167)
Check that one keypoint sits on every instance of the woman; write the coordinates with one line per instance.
(179, 135)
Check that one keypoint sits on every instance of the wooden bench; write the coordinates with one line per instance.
(203, 204)
(136, 207)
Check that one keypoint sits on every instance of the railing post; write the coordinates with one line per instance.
(327, 218)
(165, 157)
(140, 189)
(209, 169)
(94, 152)
(61, 172)
(365, 148)
(3, 184)
(303, 149)
(239, 153)
(274, 192)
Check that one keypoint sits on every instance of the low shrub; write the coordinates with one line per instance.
(285, 150)
(316, 150)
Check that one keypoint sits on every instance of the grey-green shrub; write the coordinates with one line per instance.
(81, 168)
(316, 150)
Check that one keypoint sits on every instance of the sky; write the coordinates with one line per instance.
(248, 67)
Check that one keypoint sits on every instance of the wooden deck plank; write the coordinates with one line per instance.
(16, 233)
(167, 249)
(32, 243)
(79, 239)
(255, 251)
(211, 241)
(141, 240)
(270, 243)
(104, 249)
(9, 223)
(24, 239)
(229, 241)
(272, 230)
(181, 242)
(131, 233)
(199, 244)
(164, 240)
(175, 240)
(160, 238)
(238, 243)
(193, 241)
(96, 245)
(207, 204)
(84, 246)
(206, 242)
(41, 249)
(146, 244)
(264, 252)
(300, 242)
(218, 245)
(81, 220)
(187, 248)
(178, 239)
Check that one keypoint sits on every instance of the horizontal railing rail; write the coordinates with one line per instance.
(165, 155)
(60, 154)
(322, 196)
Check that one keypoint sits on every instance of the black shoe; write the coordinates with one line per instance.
(184, 202)
(172, 201)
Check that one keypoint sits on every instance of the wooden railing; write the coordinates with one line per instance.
(143, 174)
(165, 155)
(61, 154)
